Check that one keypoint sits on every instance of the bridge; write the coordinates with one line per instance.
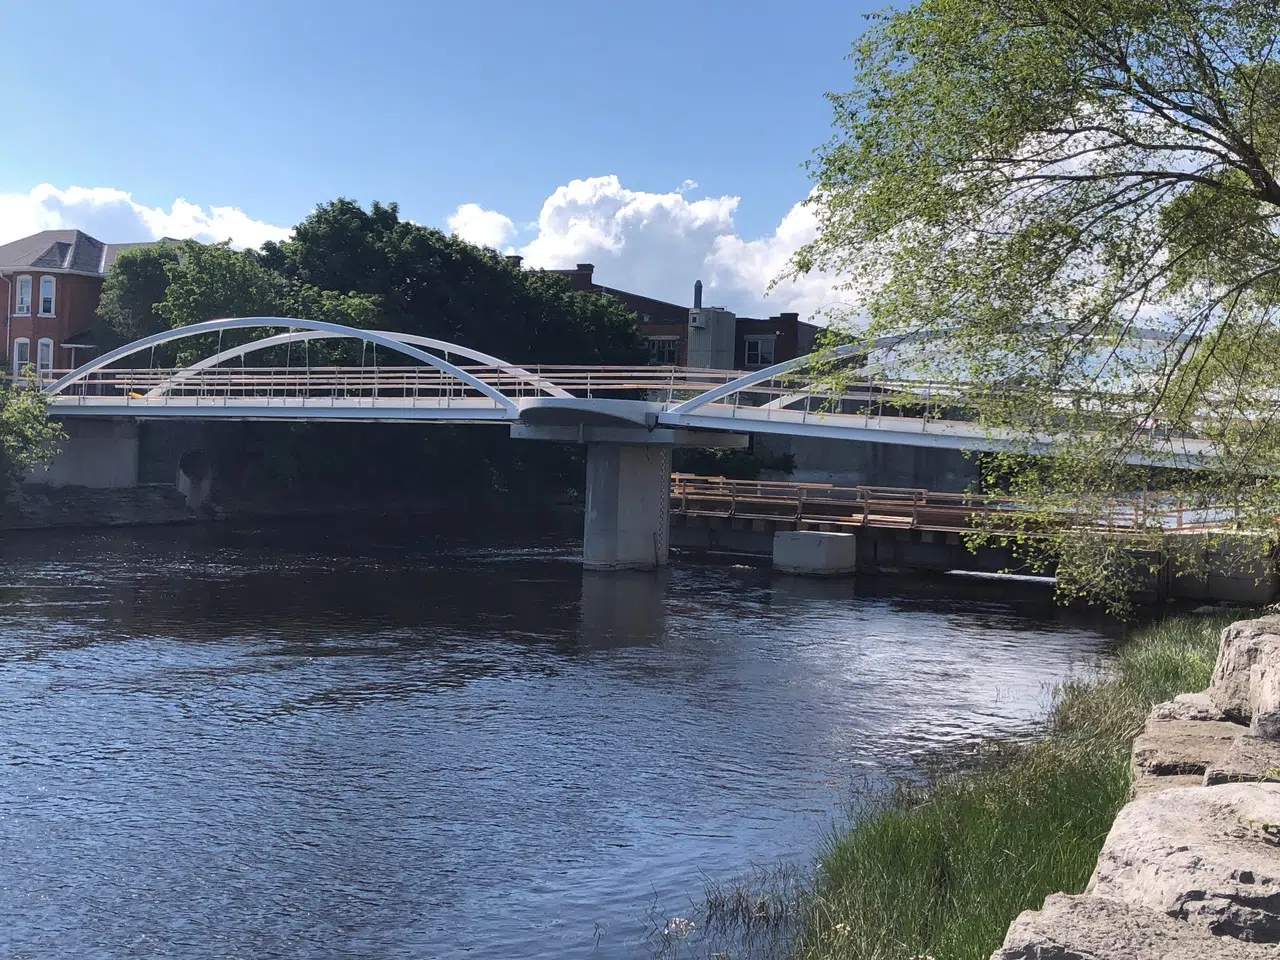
(629, 417)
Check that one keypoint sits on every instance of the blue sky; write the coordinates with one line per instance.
(272, 107)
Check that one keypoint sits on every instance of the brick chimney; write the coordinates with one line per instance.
(515, 260)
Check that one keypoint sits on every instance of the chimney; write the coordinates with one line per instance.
(588, 269)
(515, 260)
(697, 294)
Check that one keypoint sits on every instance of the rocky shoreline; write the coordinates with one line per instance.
(1191, 866)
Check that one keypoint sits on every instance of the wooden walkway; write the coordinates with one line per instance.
(818, 506)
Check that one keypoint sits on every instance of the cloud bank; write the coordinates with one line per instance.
(114, 216)
(656, 244)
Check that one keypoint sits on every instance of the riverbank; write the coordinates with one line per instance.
(941, 872)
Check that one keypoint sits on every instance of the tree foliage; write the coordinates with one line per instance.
(437, 285)
(28, 438)
(1079, 200)
(136, 283)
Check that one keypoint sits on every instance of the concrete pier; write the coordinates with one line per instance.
(628, 507)
(816, 554)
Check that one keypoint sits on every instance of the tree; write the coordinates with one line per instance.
(136, 282)
(440, 286)
(28, 438)
(1080, 198)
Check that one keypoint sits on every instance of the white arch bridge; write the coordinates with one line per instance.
(630, 417)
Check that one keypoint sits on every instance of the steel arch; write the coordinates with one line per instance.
(301, 336)
(241, 323)
(881, 343)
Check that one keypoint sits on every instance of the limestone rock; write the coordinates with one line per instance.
(1244, 643)
(1264, 694)
(1145, 783)
(1188, 706)
(1100, 928)
(1206, 855)
(1248, 760)
(1181, 747)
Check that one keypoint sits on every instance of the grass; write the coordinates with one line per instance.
(941, 872)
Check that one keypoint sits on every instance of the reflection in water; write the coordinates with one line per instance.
(308, 740)
(624, 608)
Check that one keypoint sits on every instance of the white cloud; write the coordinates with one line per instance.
(114, 216)
(658, 244)
(650, 243)
(487, 228)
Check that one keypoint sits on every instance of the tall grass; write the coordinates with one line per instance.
(941, 872)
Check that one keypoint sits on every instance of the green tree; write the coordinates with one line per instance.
(437, 285)
(1032, 183)
(135, 284)
(28, 438)
(213, 281)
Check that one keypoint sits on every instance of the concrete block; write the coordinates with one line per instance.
(815, 554)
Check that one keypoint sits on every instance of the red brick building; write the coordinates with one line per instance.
(757, 343)
(50, 283)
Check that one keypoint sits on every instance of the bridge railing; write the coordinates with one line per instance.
(915, 508)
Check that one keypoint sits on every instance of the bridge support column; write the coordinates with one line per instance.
(628, 507)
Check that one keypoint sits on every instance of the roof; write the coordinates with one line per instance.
(65, 250)
(84, 338)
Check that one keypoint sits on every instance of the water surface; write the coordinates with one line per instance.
(317, 740)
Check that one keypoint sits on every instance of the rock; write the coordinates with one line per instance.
(1248, 760)
(1244, 643)
(1206, 855)
(1264, 694)
(1188, 706)
(1181, 747)
(1145, 783)
(1100, 928)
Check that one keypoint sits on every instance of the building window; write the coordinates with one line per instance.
(44, 357)
(46, 296)
(23, 307)
(664, 351)
(21, 355)
(760, 351)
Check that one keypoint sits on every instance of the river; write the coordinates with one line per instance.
(319, 740)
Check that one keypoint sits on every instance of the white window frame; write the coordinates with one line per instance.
(44, 370)
(21, 309)
(53, 296)
(17, 366)
(670, 345)
(759, 342)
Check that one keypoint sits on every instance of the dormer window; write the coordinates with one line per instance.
(46, 296)
(23, 306)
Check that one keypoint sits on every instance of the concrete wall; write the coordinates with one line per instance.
(877, 549)
(852, 464)
(1201, 568)
(100, 454)
(162, 445)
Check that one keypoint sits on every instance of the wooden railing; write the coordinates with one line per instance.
(913, 508)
